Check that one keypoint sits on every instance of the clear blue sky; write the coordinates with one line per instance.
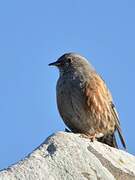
(35, 33)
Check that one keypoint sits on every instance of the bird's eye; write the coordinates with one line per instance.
(69, 59)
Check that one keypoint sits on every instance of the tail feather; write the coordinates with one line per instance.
(109, 139)
(121, 138)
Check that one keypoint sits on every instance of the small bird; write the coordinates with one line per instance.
(84, 101)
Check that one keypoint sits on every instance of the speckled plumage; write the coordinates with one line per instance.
(84, 102)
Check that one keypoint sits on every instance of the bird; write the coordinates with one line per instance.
(85, 102)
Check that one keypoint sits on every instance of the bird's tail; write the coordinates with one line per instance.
(109, 139)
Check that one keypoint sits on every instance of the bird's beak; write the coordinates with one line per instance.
(56, 63)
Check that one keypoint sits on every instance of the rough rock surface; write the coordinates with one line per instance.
(67, 156)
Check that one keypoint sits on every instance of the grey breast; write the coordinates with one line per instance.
(71, 102)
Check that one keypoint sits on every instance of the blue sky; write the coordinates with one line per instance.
(35, 33)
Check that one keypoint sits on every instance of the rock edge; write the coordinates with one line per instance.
(67, 156)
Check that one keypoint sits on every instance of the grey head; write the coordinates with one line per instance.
(72, 62)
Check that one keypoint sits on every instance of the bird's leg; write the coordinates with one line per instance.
(92, 137)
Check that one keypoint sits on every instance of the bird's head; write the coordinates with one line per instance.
(71, 62)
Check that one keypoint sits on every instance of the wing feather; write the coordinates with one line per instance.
(99, 102)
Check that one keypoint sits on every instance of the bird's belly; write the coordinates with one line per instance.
(71, 105)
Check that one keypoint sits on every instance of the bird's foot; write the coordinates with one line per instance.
(91, 137)
(84, 136)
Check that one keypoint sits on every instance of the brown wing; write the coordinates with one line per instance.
(99, 102)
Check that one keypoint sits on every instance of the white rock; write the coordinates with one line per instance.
(67, 156)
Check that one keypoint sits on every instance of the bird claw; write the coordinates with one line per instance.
(91, 137)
